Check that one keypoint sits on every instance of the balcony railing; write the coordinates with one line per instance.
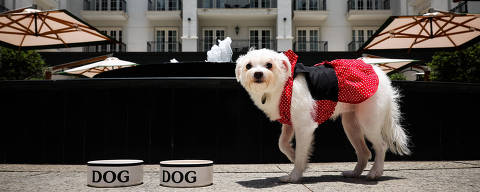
(237, 3)
(164, 46)
(164, 5)
(104, 5)
(355, 45)
(460, 8)
(110, 47)
(313, 5)
(311, 46)
(241, 45)
(368, 5)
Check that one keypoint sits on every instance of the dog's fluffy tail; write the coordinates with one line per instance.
(392, 132)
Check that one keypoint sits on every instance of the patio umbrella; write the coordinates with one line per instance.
(432, 30)
(108, 64)
(35, 29)
(387, 65)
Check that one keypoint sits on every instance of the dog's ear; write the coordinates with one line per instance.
(238, 67)
(286, 66)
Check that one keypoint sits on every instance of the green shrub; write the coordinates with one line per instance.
(20, 65)
(457, 66)
(397, 76)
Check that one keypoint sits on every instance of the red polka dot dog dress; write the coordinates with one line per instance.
(345, 80)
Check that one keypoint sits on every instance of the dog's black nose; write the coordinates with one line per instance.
(258, 75)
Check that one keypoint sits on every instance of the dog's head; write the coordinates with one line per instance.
(262, 70)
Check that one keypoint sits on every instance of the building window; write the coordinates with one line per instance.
(162, 5)
(172, 40)
(359, 37)
(160, 41)
(301, 5)
(359, 4)
(301, 40)
(310, 5)
(97, 5)
(369, 33)
(362, 35)
(166, 40)
(211, 37)
(104, 5)
(308, 39)
(370, 4)
(172, 5)
(237, 3)
(114, 33)
(313, 4)
(113, 5)
(121, 5)
(260, 38)
(266, 4)
(260, 3)
(254, 3)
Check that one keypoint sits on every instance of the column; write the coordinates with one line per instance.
(137, 31)
(189, 25)
(284, 25)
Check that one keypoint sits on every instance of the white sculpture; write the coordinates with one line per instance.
(221, 52)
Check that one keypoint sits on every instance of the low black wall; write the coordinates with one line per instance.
(154, 119)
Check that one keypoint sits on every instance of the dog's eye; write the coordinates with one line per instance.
(268, 65)
(248, 66)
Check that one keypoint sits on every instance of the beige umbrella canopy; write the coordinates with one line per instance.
(108, 64)
(387, 65)
(35, 29)
(432, 30)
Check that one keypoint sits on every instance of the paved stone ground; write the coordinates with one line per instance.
(398, 176)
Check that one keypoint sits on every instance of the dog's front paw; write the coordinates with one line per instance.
(288, 179)
(292, 178)
(351, 174)
(374, 174)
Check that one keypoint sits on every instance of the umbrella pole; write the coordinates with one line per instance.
(36, 30)
(431, 27)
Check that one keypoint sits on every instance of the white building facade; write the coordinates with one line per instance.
(195, 25)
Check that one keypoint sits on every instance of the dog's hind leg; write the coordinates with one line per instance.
(284, 142)
(303, 141)
(356, 136)
(380, 147)
(368, 118)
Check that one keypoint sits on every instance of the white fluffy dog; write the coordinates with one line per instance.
(263, 73)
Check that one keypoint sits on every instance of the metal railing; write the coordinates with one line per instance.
(460, 8)
(313, 5)
(164, 5)
(311, 46)
(368, 5)
(237, 3)
(164, 46)
(99, 5)
(107, 47)
(239, 45)
(355, 45)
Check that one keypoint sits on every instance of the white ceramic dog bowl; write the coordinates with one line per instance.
(114, 173)
(186, 173)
